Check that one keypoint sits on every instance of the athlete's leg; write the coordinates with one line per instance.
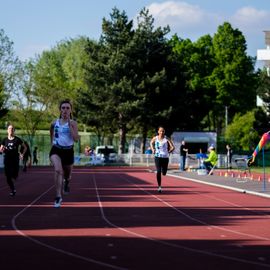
(164, 165)
(158, 167)
(10, 171)
(67, 177)
(58, 174)
(67, 171)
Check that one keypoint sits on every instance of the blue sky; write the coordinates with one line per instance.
(37, 25)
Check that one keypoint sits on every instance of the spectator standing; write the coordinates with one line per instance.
(183, 155)
(35, 156)
(229, 156)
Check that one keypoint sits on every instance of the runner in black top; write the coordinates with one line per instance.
(10, 146)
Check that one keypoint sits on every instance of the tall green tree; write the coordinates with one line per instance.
(129, 76)
(92, 99)
(197, 94)
(154, 79)
(233, 76)
(9, 67)
(58, 74)
(110, 75)
(241, 133)
(263, 89)
(27, 112)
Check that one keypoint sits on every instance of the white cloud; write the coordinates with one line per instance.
(252, 22)
(184, 19)
(192, 21)
(183, 12)
(249, 18)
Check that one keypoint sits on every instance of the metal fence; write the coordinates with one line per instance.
(148, 160)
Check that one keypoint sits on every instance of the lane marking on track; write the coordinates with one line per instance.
(203, 222)
(127, 231)
(20, 232)
(165, 242)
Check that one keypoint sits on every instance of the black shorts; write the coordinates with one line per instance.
(161, 165)
(66, 154)
(11, 167)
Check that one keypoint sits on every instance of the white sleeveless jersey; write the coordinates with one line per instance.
(161, 148)
(62, 135)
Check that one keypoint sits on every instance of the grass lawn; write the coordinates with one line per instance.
(260, 169)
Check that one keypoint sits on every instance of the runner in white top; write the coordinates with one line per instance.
(63, 132)
(62, 135)
(161, 147)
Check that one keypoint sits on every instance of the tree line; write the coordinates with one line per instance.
(135, 78)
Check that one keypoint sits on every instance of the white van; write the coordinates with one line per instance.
(106, 153)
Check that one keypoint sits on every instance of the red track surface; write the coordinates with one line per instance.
(115, 219)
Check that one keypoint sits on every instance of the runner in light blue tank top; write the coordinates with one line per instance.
(161, 146)
(63, 133)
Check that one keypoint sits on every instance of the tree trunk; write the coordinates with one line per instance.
(143, 142)
(122, 137)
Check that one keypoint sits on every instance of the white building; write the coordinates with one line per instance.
(264, 54)
(194, 141)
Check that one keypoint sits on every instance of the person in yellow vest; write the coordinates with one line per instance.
(212, 159)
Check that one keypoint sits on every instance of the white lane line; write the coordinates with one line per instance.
(165, 242)
(203, 222)
(20, 232)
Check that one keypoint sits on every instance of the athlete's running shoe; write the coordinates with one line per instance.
(12, 193)
(57, 202)
(159, 189)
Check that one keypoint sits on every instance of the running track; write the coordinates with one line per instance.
(115, 219)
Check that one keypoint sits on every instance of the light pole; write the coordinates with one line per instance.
(226, 117)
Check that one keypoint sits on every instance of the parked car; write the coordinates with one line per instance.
(106, 153)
